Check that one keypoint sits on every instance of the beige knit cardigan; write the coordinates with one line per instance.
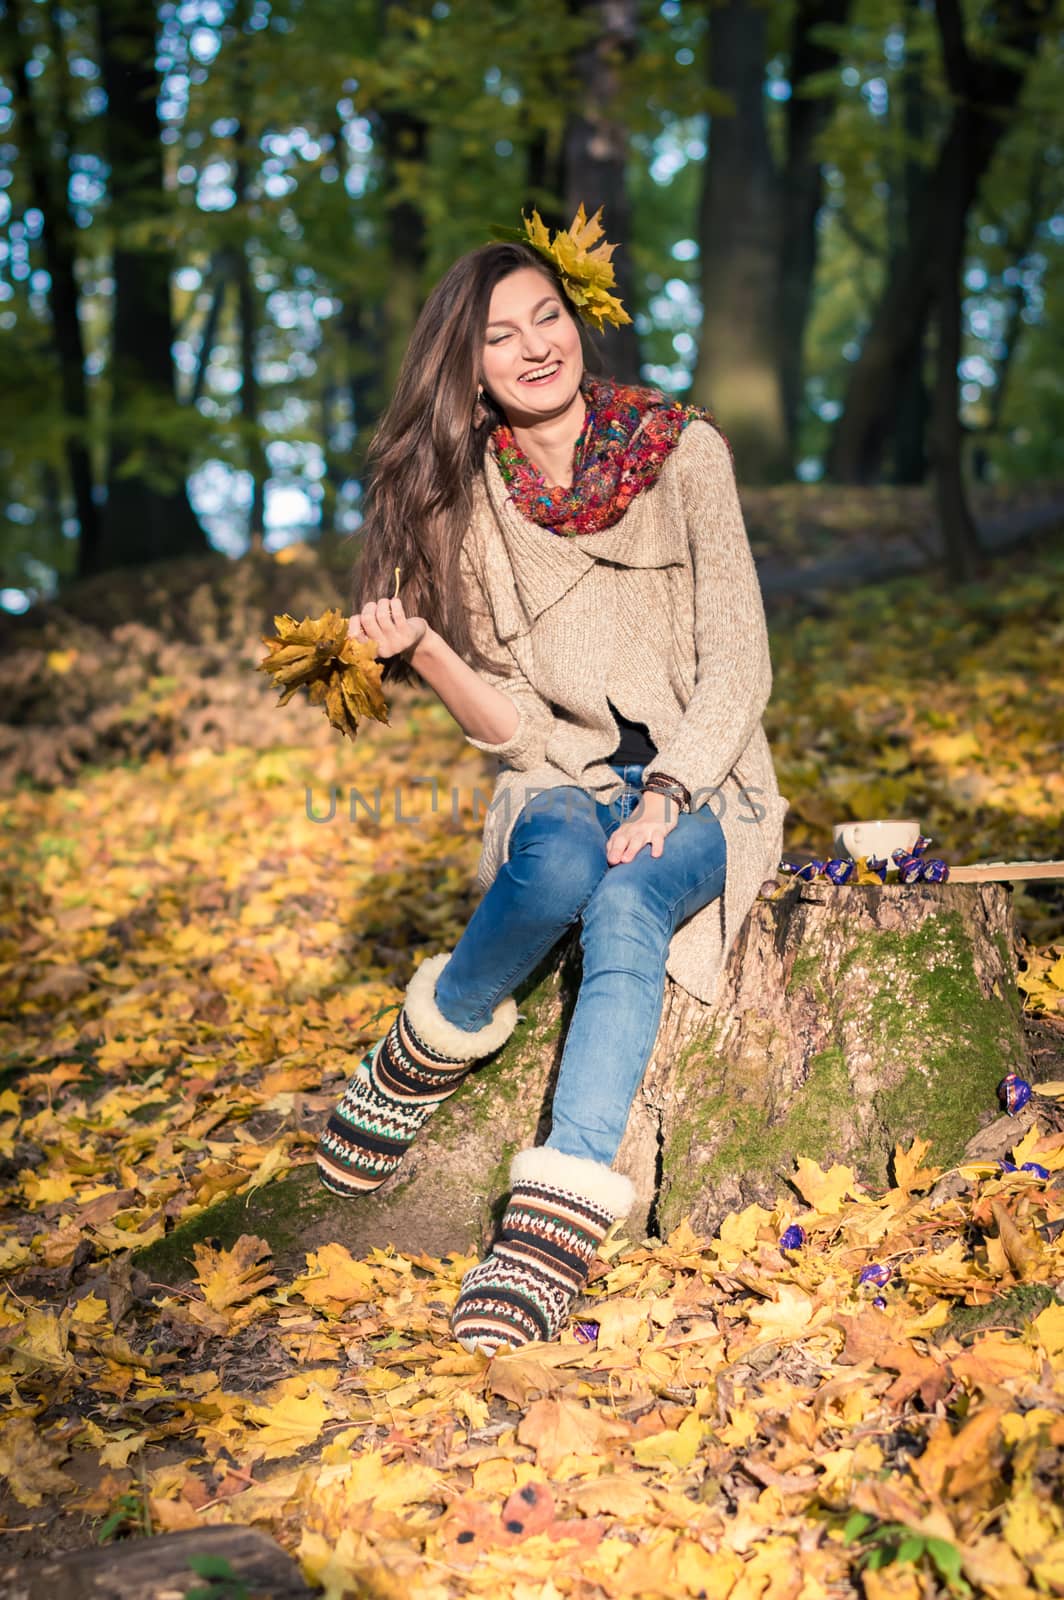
(663, 614)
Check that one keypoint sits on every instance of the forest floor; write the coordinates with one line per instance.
(190, 967)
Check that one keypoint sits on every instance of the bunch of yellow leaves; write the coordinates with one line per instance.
(588, 273)
(340, 673)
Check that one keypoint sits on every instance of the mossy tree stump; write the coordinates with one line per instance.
(847, 1019)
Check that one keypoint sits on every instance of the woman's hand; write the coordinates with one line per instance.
(657, 818)
(385, 621)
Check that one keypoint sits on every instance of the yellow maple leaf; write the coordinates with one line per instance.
(588, 272)
(676, 1445)
(791, 1315)
(286, 1426)
(42, 1341)
(1049, 1326)
(738, 1233)
(559, 1428)
(334, 1278)
(825, 1191)
(229, 1276)
(28, 1462)
(41, 1190)
(907, 1169)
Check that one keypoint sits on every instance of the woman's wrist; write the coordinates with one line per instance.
(425, 649)
(654, 806)
(662, 783)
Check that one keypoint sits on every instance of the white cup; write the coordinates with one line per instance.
(876, 838)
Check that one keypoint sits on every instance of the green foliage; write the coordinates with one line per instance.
(222, 1582)
(887, 1543)
(344, 121)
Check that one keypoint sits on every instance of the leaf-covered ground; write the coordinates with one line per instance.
(189, 967)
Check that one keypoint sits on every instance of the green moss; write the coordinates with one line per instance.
(806, 973)
(278, 1212)
(921, 1002)
(1012, 1310)
(961, 1041)
(740, 1132)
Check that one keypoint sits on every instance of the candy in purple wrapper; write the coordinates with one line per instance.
(1014, 1093)
(879, 1303)
(878, 865)
(1007, 1166)
(1035, 1167)
(922, 843)
(810, 870)
(841, 870)
(586, 1332)
(792, 1238)
(876, 1272)
(899, 854)
(936, 871)
(911, 868)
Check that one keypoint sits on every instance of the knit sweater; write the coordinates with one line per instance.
(662, 615)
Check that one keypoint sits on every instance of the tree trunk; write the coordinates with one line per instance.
(910, 423)
(738, 371)
(147, 516)
(596, 157)
(58, 235)
(847, 1019)
(960, 538)
(980, 120)
(247, 304)
(801, 193)
(404, 142)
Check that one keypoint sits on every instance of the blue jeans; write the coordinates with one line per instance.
(556, 871)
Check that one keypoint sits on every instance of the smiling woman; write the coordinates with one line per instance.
(532, 365)
(580, 594)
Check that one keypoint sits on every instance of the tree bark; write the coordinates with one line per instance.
(914, 406)
(147, 516)
(737, 374)
(247, 304)
(596, 157)
(979, 122)
(801, 194)
(847, 1020)
(960, 537)
(58, 235)
(404, 140)
(158, 1568)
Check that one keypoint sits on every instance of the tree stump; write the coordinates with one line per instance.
(847, 1019)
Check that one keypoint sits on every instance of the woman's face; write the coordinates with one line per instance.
(532, 361)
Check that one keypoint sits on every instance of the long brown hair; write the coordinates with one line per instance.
(428, 447)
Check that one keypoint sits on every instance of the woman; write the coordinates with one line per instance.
(590, 535)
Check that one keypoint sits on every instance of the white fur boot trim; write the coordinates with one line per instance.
(591, 1180)
(433, 1028)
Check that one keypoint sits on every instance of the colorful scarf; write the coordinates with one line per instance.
(628, 433)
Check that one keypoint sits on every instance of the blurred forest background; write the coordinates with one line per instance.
(840, 225)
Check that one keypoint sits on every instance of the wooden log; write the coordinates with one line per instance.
(158, 1569)
(847, 1019)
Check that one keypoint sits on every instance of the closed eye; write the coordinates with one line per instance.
(551, 316)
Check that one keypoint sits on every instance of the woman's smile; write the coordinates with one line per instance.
(542, 375)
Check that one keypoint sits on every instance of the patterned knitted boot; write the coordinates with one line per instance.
(559, 1212)
(400, 1081)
